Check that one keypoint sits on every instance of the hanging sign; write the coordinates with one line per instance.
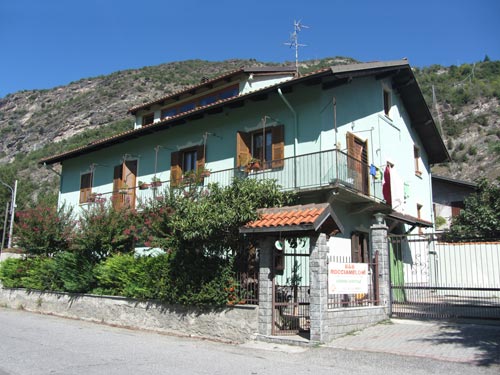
(347, 278)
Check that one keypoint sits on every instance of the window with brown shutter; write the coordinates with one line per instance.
(187, 160)
(85, 187)
(266, 145)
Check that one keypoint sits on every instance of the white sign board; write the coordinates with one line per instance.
(347, 278)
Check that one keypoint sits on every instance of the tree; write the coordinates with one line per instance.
(481, 217)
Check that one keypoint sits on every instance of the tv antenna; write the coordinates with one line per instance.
(294, 41)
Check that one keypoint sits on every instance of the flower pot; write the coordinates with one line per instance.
(155, 184)
(143, 186)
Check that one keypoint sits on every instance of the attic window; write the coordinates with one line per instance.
(387, 102)
(148, 119)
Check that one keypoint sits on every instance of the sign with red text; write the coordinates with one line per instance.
(347, 278)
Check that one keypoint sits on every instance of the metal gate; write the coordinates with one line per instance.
(291, 288)
(434, 279)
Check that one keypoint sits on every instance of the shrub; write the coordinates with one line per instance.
(44, 230)
(41, 274)
(75, 272)
(103, 231)
(12, 272)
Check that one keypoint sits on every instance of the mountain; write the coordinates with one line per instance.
(38, 123)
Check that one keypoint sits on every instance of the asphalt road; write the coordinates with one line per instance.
(39, 344)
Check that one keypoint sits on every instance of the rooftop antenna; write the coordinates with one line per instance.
(294, 41)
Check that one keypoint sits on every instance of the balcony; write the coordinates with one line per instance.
(329, 171)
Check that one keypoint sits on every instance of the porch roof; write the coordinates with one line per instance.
(398, 217)
(311, 217)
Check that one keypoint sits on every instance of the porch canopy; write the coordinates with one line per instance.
(302, 218)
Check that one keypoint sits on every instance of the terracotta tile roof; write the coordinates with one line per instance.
(293, 218)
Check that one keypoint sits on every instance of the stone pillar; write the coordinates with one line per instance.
(265, 249)
(379, 242)
(318, 276)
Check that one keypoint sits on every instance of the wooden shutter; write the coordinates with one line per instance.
(129, 174)
(117, 198)
(175, 168)
(278, 154)
(355, 248)
(243, 155)
(200, 157)
(85, 187)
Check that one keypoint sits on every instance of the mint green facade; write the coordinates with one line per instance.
(317, 120)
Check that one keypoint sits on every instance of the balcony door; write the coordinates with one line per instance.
(124, 181)
(357, 153)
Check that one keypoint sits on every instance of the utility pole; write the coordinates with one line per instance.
(4, 226)
(13, 192)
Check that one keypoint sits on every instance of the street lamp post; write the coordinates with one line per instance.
(13, 192)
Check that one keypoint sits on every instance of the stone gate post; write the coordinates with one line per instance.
(265, 249)
(379, 242)
(318, 271)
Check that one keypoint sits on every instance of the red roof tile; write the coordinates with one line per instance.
(309, 217)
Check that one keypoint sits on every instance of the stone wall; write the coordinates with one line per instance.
(342, 321)
(236, 324)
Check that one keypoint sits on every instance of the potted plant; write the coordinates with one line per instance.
(143, 185)
(253, 164)
(155, 182)
(92, 198)
(123, 189)
(205, 173)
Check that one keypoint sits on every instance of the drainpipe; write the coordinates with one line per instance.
(336, 136)
(295, 130)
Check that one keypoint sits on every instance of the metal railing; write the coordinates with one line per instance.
(304, 172)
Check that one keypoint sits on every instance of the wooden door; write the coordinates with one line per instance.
(357, 151)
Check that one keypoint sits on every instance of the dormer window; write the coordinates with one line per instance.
(202, 101)
(148, 119)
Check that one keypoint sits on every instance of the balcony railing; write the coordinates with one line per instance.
(302, 173)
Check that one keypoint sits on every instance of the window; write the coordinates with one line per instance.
(168, 112)
(148, 119)
(268, 146)
(229, 93)
(416, 156)
(85, 187)
(225, 93)
(187, 160)
(387, 102)
(262, 146)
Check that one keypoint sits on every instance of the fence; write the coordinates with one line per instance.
(435, 279)
(370, 298)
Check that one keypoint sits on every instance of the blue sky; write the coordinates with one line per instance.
(47, 43)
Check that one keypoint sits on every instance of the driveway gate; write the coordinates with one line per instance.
(436, 279)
